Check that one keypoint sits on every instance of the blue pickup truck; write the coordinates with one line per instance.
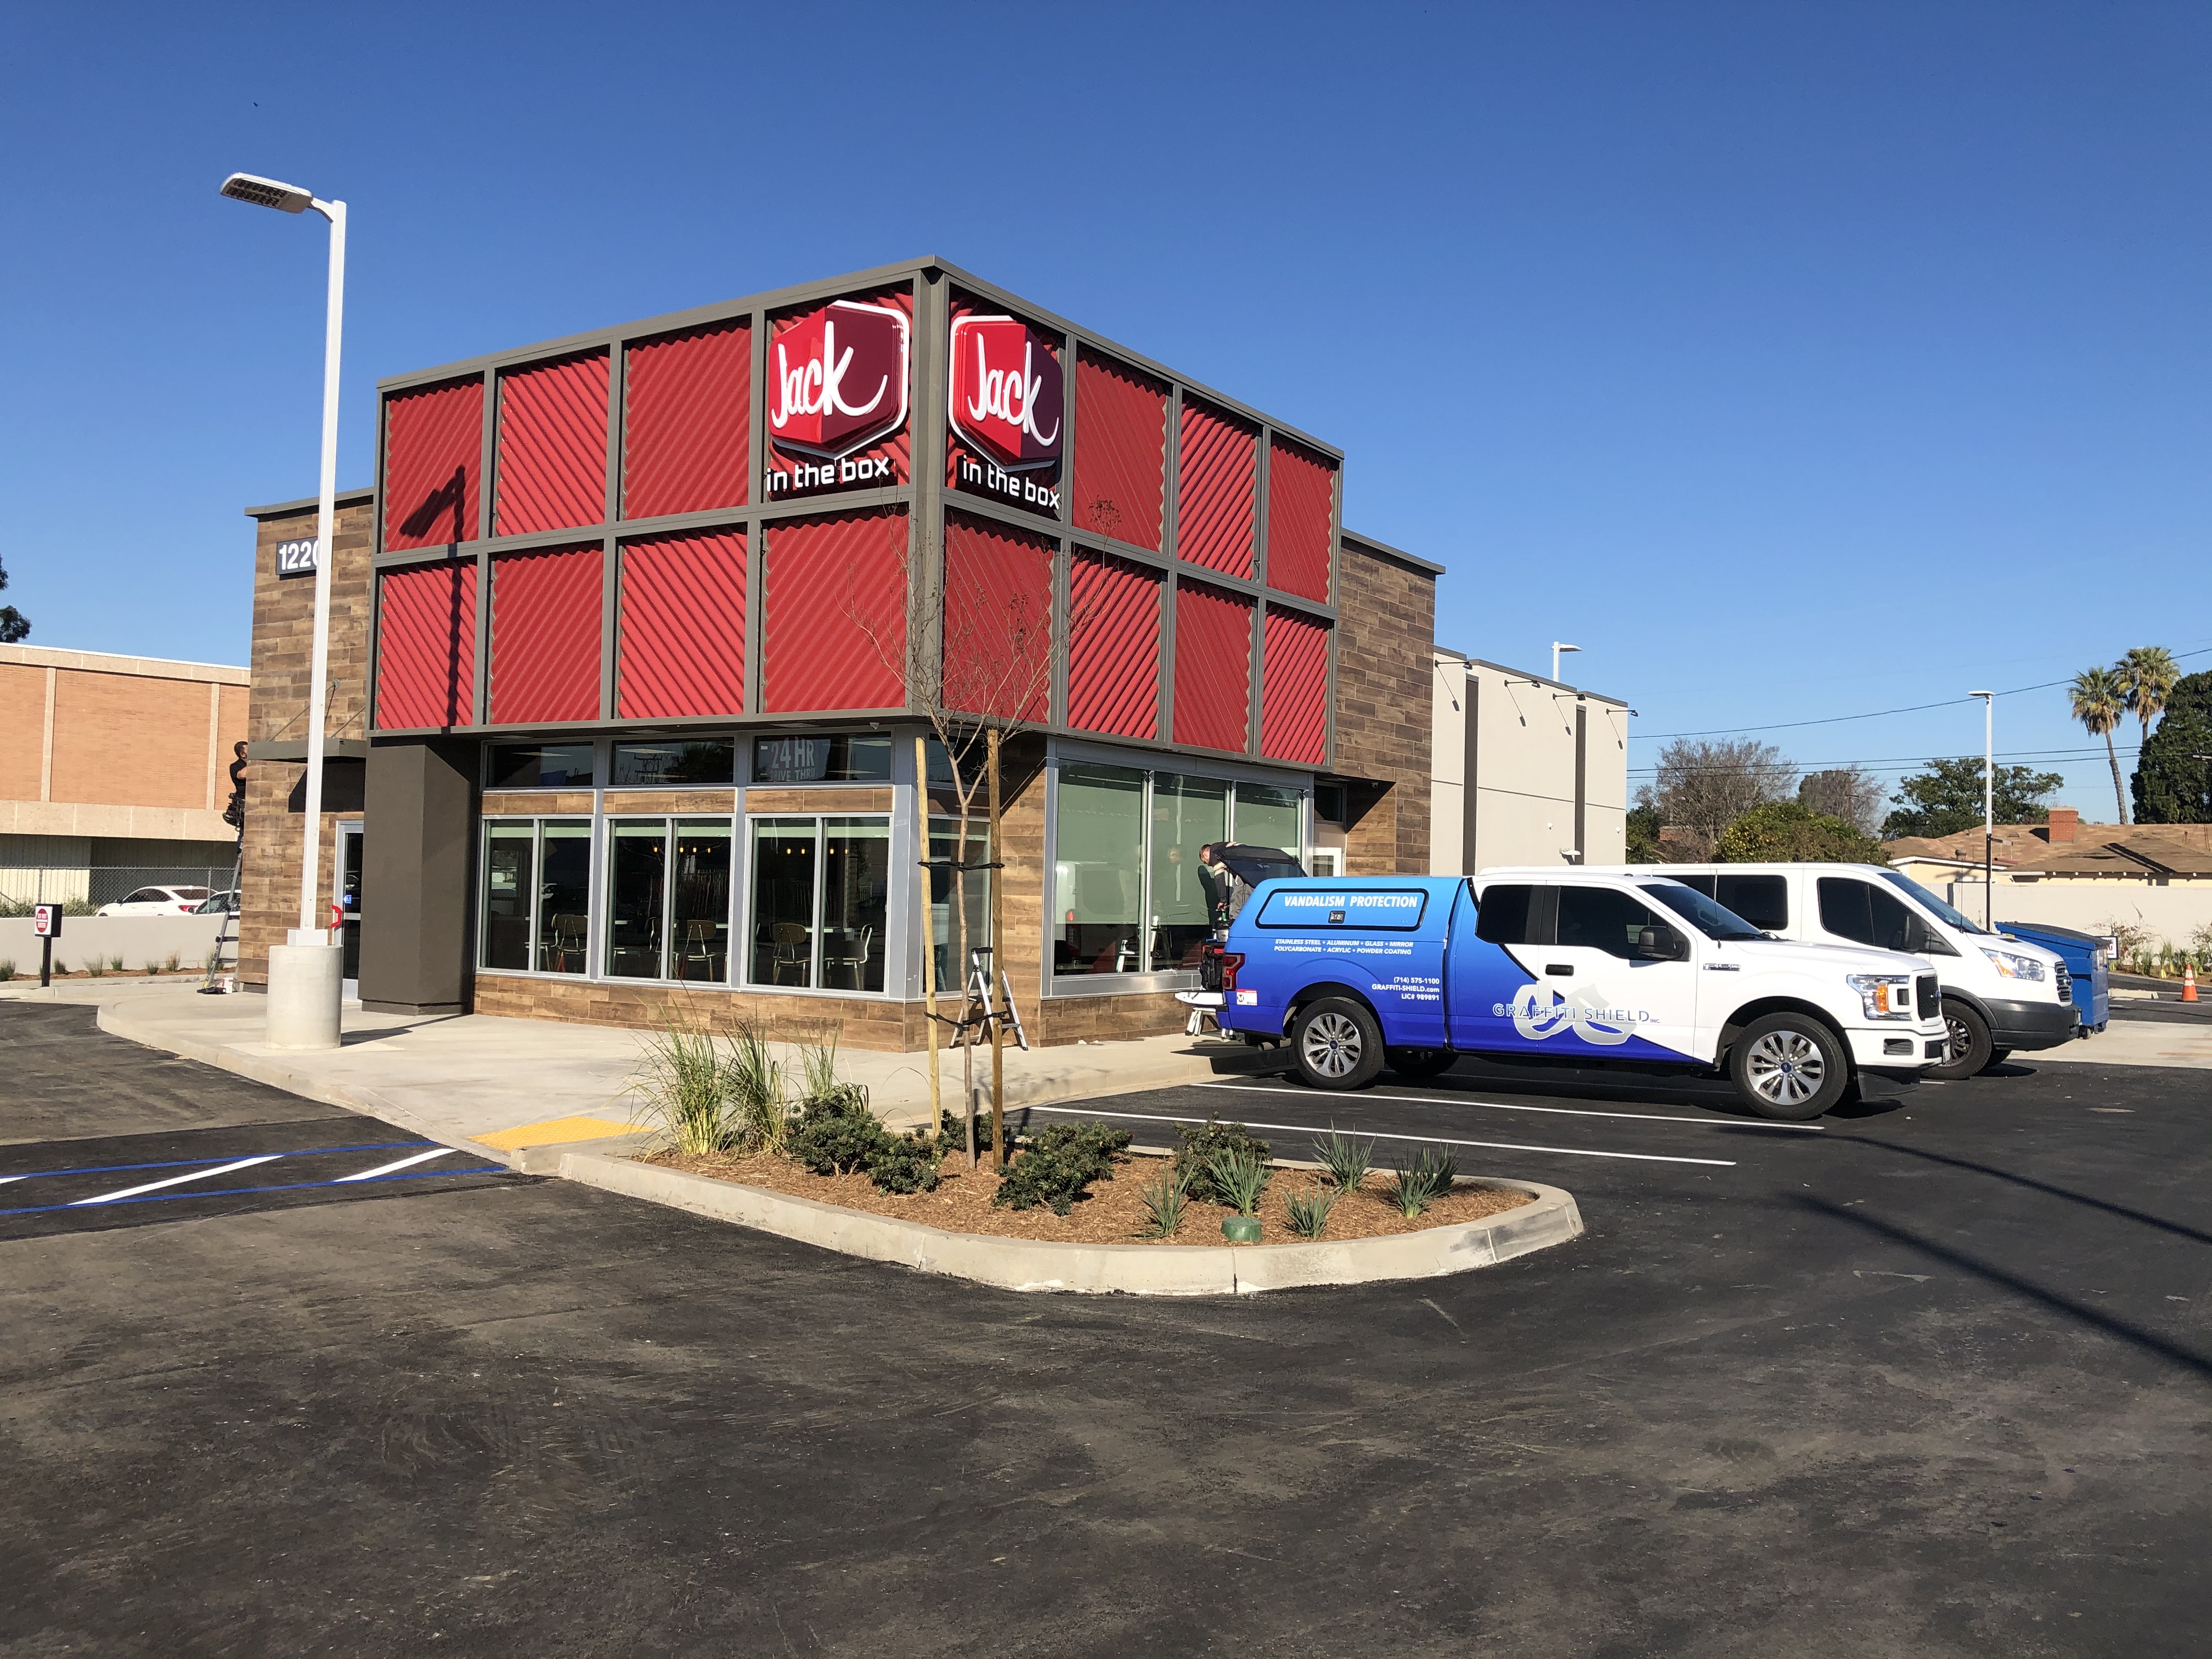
(1576, 968)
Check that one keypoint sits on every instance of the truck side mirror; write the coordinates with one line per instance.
(1661, 945)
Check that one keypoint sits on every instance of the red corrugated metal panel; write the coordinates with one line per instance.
(997, 620)
(1215, 489)
(1121, 451)
(1293, 686)
(682, 647)
(1114, 655)
(426, 646)
(545, 637)
(832, 583)
(687, 425)
(552, 446)
(1301, 503)
(433, 451)
(1213, 667)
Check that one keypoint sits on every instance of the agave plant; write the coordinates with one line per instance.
(1163, 1201)
(1346, 1160)
(1425, 1177)
(1309, 1209)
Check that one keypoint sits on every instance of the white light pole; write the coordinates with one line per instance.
(1989, 802)
(306, 972)
(1557, 646)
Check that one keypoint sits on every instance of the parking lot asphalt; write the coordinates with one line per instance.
(1931, 1378)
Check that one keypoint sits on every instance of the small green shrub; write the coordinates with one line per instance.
(953, 1137)
(1421, 1180)
(1058, 1165)
(835, 1133)
(1309, 1209)
(170, 966)
(1239, 1175)
(908, 1164)
(1163, 1204)
(94, 966)
(115, 964)
(1199, 1142)
(7, 969)
(1346, 1160)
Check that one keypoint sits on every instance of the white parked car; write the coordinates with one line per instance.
(157, 902)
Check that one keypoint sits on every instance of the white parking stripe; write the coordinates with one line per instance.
(1377, 1134)
(400, 1163)
(1515, 1106)
(173, 1180)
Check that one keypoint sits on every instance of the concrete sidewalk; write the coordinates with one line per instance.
(529, 1082)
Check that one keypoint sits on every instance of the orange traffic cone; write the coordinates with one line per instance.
(2189, 981)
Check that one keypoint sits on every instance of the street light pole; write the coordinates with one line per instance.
(1989, 802)
(305, 989)
(1557, 646)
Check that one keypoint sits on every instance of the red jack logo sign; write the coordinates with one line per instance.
(837, 382)
(1006, 397)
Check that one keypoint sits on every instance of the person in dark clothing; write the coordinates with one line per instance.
(234, 814)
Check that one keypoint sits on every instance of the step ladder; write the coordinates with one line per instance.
(227, 937)
(978, 1010)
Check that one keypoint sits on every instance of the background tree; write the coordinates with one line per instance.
(1703, 786)
(1847, 792)
(2172, 784)
(1947, 798)
(1644, 835)
(13, 624)
(2150, 673)
(1791, 832)
(2099, 697)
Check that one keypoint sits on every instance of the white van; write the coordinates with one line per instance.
(1999, 993)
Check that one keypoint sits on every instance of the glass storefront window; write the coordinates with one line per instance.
(510, 885)
(954, 936)
(1189, 814)
(644, 765)
(1268, 817)
(538, 766)
(856, 886)
(1098, 870)
(699, 928)
(783, 866)
(839, 758)
(564, 897)
(637, 869)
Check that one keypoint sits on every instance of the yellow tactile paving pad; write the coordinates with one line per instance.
(554, 1131)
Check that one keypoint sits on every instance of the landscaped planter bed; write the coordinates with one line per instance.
(1113, 1213)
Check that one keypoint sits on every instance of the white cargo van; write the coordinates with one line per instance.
(1999, 993)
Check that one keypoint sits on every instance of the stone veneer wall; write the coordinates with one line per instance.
(284, 643)
(1386, 636)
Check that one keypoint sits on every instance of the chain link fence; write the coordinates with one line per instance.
(82, 891)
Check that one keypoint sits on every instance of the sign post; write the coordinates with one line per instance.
(46, 925)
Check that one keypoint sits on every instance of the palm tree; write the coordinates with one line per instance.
(2148, 671)
(2099, 696)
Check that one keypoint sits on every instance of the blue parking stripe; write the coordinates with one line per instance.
(287, 1186)
(226, 1157)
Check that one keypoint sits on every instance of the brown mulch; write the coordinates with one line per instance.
(1112, 1214)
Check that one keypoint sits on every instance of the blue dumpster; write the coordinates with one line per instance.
(2084, 954)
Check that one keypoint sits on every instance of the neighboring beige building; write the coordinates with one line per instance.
(1549, 766)
(111, 763)
(2070, 874)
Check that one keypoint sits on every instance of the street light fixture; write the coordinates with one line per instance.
(1989, 802)
(305, 973)
(1557, 646)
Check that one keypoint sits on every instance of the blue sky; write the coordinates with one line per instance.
(1794, 361)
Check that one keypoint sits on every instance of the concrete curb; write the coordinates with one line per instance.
(117, 1021)
(1131, 1269)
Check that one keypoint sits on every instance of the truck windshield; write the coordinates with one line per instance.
(1929, 902)
(1713, 919)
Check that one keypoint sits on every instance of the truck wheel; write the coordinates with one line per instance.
(1966, 1048)
(1997, 1057)
(1789, 1067)
(1419, 1062)
(1337, 1044)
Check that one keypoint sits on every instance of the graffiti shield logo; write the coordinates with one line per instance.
(1540, 1012)
(837, 378)
(1007, 395)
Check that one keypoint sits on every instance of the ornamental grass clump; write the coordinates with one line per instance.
(7, 969)
(683, 1080)
(1163, 1201)
(1199, 1142)
(1239, 1175)
(1057, 1164)
(1421, 1180)
(1309, 1209)
(1346, 1160)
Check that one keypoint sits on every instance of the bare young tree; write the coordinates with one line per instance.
(1705, 784)
(1849, 793)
